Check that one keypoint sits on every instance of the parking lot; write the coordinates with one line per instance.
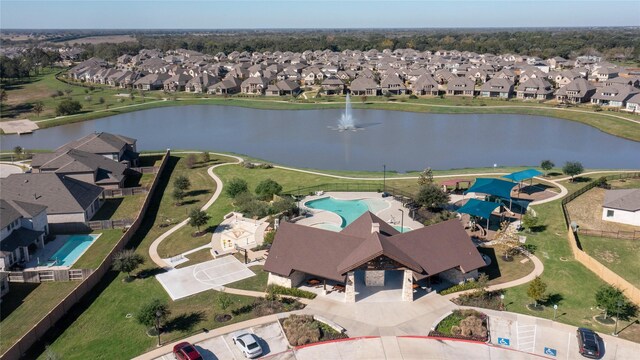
(270, 337)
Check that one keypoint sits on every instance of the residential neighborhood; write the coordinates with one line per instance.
(370, 73)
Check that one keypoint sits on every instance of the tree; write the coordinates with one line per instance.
(426, 177)
(191, 160)
(101, 100)
(267, 188)
(68, 107)
(547, 165)
(204, 157)
(529, 221)
(3, 95)
(608, 297)
(224, 301)
(148, 313)
(127, 261)
(236, 186)
(178, 195)
(572, 168)
(68, 91)
(18, 150)
(198, 218)
(431, 196)
(537, 290)
(363, 98)
(38, 108)
(182, 182)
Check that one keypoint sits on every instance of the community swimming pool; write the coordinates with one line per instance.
(348, 210)
(72, 249)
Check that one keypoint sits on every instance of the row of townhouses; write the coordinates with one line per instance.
(371, 73)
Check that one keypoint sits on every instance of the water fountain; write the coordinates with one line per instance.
(346, 122)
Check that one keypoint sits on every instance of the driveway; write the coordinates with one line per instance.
(8, 169)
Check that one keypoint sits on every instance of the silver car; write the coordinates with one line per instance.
(248, 345)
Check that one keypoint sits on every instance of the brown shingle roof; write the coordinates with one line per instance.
(328, 254)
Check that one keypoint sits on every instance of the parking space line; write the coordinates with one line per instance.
(228, 348)
(568, 344)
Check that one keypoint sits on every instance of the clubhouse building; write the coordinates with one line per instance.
(369, 249)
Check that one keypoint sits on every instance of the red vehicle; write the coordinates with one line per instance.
(186, 351)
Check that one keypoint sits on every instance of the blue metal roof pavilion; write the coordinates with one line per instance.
(523, 175)
(490, 186)
(479, 208)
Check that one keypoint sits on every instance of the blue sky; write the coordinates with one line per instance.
(214, 14)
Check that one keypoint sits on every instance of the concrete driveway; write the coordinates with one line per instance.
(8, 169)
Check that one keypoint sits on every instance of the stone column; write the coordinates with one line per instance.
(407, 286)
(350, 288)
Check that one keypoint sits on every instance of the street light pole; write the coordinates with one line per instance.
(555, 309)
(158, 315)
(402, 221)
(618, 304)
(502, 302)
(384, 179)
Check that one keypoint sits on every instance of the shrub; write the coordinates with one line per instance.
(412, 97)
(301, 329)
(68, 107)
(248, 165)
(147, 313)
(182, 182)
(276, 289)
(267, 188)
(460, 287)
(472, 326)
(236, 186)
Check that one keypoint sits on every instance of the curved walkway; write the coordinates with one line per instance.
(153, 249)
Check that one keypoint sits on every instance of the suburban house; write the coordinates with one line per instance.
(393, 84)
(368, 248)
(460, 86)
(177, 82)
(333, 85)
(201, 83)
(254, 85)
(425, 85)
(23, 226)
(115, 147)
(84, 166)
(622, 206)
(151, 82)
(534, 89)
(228, 86)
(633, 104)
(283, 87)
(66, 200)
(497, 88)
(364, 86)
(577, 91)
(614, 95)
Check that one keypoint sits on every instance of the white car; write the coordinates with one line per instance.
(248, 345)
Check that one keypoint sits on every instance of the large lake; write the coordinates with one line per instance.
(402, 140)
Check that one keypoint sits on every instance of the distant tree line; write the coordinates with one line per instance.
(618, 43)
(30, 63)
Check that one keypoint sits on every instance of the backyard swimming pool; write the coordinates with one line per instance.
(72, 249)
(348, 210)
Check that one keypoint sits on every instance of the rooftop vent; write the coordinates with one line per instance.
(375, 228)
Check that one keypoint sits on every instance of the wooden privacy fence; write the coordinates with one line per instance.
(109, 224)
(38, 276)
(625, 235)
(146, 169)
(603, 272)
(38, 330)
(111, 193)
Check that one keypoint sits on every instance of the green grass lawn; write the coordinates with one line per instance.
(621, 256)
(255, 283)
(197, 258)
(126, 207)
(25, 305)
(569, 284)
(99, 249)
(501, 271)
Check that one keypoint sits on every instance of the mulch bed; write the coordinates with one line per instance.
(223, 317)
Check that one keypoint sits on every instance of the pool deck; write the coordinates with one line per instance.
(390, 214)
(51, 248)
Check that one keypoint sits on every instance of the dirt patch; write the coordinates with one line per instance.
(586, 211)
(609, 257)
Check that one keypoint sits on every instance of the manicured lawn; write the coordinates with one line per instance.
(197, 257)
(501, 271)
(255, 283)
(25, 305)
(621, 256)
(99, 249)
(569, 284)
(126, 207)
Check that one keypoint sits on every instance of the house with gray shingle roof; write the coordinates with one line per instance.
(333, 85)
(497, 88)
(622, 206)
(67, 200)
(426, 85)
(115, 147)
(614, 95)
(459, 86)
(577, 91)
(364, 86)
(534, 88)
(23, 226)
